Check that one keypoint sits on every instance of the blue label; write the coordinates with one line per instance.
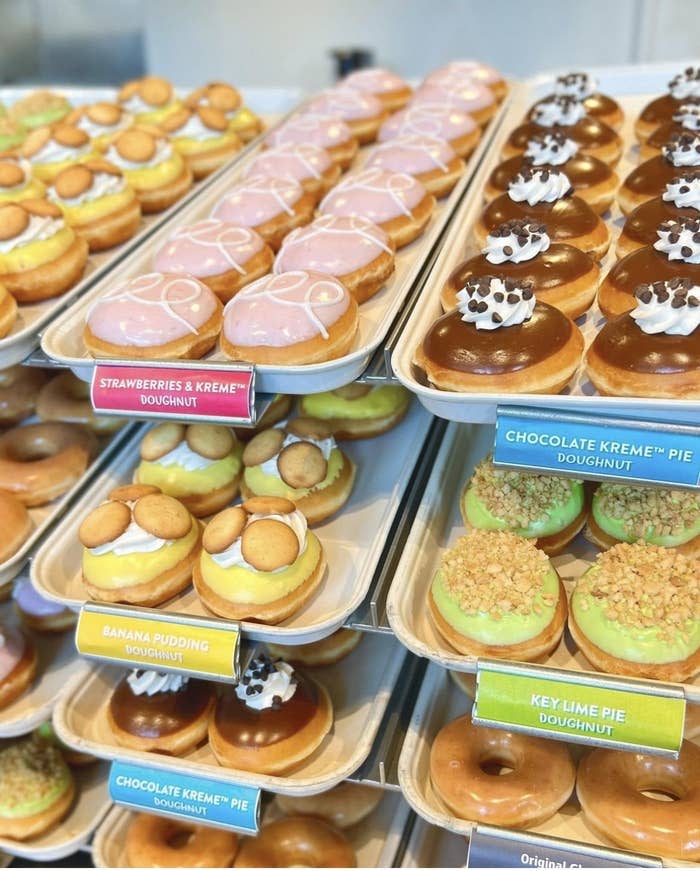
(598, 447)
(195, 799)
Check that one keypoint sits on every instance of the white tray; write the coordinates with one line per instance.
(360, 687)
(90, 805)
(436, 526)
(433, 847)
(633, 87)
(353, 539)
(63, 340)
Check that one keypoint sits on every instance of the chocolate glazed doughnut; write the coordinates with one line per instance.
(640, 227)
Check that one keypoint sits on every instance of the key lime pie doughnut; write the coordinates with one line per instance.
(200, 464)
(161, 842)
(293, 318)
(318, 654)
(101, 121)
(659, 516)
(636, 612)
(592, 179)
(654, 350)
(361, 111)
(649, 179)
(470, 97)
(458, 72)
(343, 806)
(36, 788)
(270, 206)
(547, 510)
(67, 398)
(12, 135)
(300, 462)
(439, 120)
(152, 167)
(18, 663)
(97, 202)
(496, 594)
(221, 255)
(40, 614)
(683, 88)
(560, 275)
(308, 164)
(150, 99)
(16, 181)
(272, 721)
(39, 109)
(8, 311)
(584, 88)
(19, 386)
(158, 316)
(16, 525)
(546, 196)
(430, 160)
(386, 86)
(395, 201)
(686, 119)
(500, 339)
(296, 842)
(358, 411)
(352, 249)
(259, 561)
(52, 149)
(154, 711)
(203, 136)
(139, 547)
(325, 131)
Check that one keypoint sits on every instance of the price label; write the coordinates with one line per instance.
(185, 796)
(163, 390)
(597, 447)
(580, 707)
(141, 638)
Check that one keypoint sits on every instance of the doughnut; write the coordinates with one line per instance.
(158, 316)
(465, 682)
(679, 158)
(279, 409)
(39, 108)
(460, 71)
(151, 99)
(308, 164)
(16, 181)
(8, 311)
(36, 788)
(74, 758)
(329, 132)
(676, 206)
(391, 90)
(101, 121)
(692, 721)
(160, 712)
(244, 571)
(611, 787)
(204, 138)
(18, 664)
(97, 203)
(19, 386)
(67, 398)
(344, 806)
(500, 339)
(296, 842)
(219, 95)
(548, 510)
(358, 411)
(509, 606)
(439, 120)
(270, 206)
(40, 255)
(363, 112)
(293, 318)
(272, 721)
(428, 159)
(300, 462)
(584, 87)
(354, 250)
(465, 761)
(41, 461)
(139, 547)
(12, 135)
(318, 654)
(686, 119)
(52, 149)
(159, 842)
(17, 526)
(36, 612)
(468, 96)
(683, 88)
(560, 274)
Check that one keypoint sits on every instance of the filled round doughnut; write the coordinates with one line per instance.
(686, 119)
(469, 96)
(358, 411)
(19, 387)
(308, 164)
(389, 88)
(648, 180)
(101, 121)
(37, 613)
(296, 842)
(52, 149)
(344, 806)
(363, 112)
(204, 138)
(440, 120)
(683, 87)
(318, 654)
(430, 160)
(159, 842)
(18, 663)
(325, 131)
(151, 99)
(67, 398)
(459, 71)
(584, 87)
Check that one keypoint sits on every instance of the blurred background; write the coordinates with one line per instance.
(277, 42)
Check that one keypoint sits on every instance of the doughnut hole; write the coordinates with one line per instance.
(179, 837)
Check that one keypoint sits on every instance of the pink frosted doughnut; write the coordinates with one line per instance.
(412, 154)
(471, 97)
(391, 89)
(307, 164)
(325, 131)
(459, 71)
(375, 194)
(346, 103)
(258, 199)
(208, 247)
(439, 120)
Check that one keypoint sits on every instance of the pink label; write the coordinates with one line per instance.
(192, 393)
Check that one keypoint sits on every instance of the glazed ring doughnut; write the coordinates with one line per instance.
(298, 842)
(8, 311)
(43, 460)
(611, 784)
(465, 761)
(67, 398)
(343, 806)
(16, 526)
(157, 842)
(18, 390)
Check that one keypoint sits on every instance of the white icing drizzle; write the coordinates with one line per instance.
(428, 119)
(104, 184)
(39, 228)
(578, 85)
(670, 307)
(331, 126)
(345, 103)
(266, 684)
(283, 190)
(333, 225)
(516, 242)
(304, 152)
(376, 181)
(539, 186)
(554, 149)
(683, 192)
(683, 150)
(54, 152)
(227, 236)
(164, 151)
(26, 168)
(558, 111)
(430, 146)
(151, 682)
(679, 240)
(686, 84)
(233, 555)
(688, 116)
(490, 303)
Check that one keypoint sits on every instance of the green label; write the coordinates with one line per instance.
(583, 708)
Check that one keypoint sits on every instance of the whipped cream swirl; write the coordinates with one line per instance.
(686, 85)
(266, 684)
(552, 148)
(195, 128)
(184, 457)
(558, 112)
(134, 539)
(671, 307)
(684, 191)
(578, 85)
(688, 116)
(149, 682)
(163, 152)
(679, 240)
(104, 184)
(516, 241)
(54, 152)
(269, 467)
(489, 302)
(233, 555)
(93, 129)
(539, 186)
(682, 149)
(39, 228)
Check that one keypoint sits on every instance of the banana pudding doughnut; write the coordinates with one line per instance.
(221, 255)
(395, 201)
(386, 86)
(560, 274)
(151, 99)
(358, 411)
(361, 111)
(41, 461)
(52, 149)
(36, 788)
(650, 178)
(204, 138)
(101, 121)
(40, 255)
(296, 842)
(19, 387)
(160, 842)
(259, 561)
(16, 526)
(546, 197)
(636, 612)
(300, 462)
(318, 654)
(308, 164)
(343, 806)
(584, 88)
(313, 128)
(67, 398)
(352, 249)
(683, 88)
(18, 664)
(278, 409)
(469, 96)
(17, 182)
(510, 606)
(500, 339)
(139, 547)
(611, 787)
(200, 464)
(465, 761)
(430, 160)
(8, 311)
(547, 510)
(40, 614)
(39, 109)
(219, 95)
(293, 318)
(270, 206)
(686, 119)
(439, 120)
(158, 712)
(272, 721)
(158, 316)
(458, 72)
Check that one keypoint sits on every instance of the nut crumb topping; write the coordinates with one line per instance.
(29, 770)
(496, 573)
(648, 511)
